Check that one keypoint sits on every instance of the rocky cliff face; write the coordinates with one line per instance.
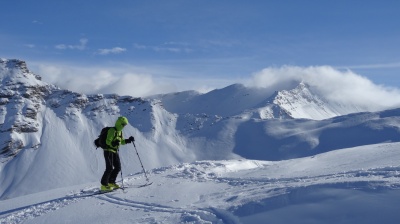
(24, 97)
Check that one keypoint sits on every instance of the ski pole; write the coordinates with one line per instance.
(122, 179)
(144, 171)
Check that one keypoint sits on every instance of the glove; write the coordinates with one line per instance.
(115, 143)
(129, 140)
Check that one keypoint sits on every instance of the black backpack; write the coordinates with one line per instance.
(101, 140)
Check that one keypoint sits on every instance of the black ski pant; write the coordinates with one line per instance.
(113, 166)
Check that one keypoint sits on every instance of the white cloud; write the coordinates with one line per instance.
(61, 46)
(115, 50)
(339, 86)
(124, 79)
(373, 66)
(37, 22)
(174, 47)
(170, 49)
(81, 46)
(90, 80)
(30, 45)
(132, 84)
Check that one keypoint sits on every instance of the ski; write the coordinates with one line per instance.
(136, 186)
(143, 185)
(95, 192)
(88, 193)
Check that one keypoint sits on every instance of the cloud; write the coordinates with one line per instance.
(173, 47)
(344, 87)
(139, 46)
(37, 22)
(373, 66)
(170, 49)
(132, 85)
(124, 79)
(115, 50)
(81, 46)
(30, 45)
(61, 46)
(92, 80)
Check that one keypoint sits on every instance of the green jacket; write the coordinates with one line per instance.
(115, 134)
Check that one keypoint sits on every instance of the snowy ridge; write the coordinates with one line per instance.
(302, 102)
(235, 100)
(293, 138)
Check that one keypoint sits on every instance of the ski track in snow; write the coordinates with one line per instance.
(19, 215)
(152, 207)
(256, 188)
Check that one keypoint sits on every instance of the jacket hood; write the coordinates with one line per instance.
(121, 123)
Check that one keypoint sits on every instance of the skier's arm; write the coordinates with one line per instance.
(127, 141)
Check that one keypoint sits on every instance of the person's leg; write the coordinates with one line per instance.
(109, 158)
(117, 168)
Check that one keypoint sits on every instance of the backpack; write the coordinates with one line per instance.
(101, 140)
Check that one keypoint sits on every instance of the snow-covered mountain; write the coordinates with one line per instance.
(47, 137)
(300, 102)
(50, 130)
(47, 133)
(303, 102)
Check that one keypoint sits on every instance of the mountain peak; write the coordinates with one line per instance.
(14, 64)
(304, 102)
(15, 70)
(302, 85)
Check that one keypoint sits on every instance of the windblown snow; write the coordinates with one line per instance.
(233, 155)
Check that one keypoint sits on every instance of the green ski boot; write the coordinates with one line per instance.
(106, 188)
(114, 186)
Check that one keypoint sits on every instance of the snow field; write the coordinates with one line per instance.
(343, 186)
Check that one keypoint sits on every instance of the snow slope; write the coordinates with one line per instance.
(235, 155)
(47, 133)
(293, 138)
(353, 185)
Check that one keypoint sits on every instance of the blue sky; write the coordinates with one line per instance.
(174, 45)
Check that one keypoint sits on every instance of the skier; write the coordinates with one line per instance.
(111, 156)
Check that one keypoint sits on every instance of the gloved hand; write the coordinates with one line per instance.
(115, 143)
(129, 140)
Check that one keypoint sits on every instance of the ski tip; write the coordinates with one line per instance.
(145, 185)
